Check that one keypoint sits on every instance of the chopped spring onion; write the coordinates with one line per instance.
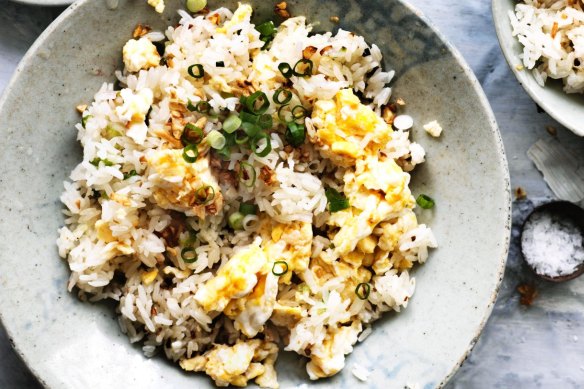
(192, 135)
(250, 129)
(284, 114)
(265, 121)
(241, 138)
(248, 209)
(425, 202)
(231, 124)
(203, 107)
(303, 68)
(111, 132)
(363, 290)
(235, 220)
(84, 120)
(266, 28)
(225, 153)
(295, 134)
(337, 201)
(106, 162)
(188, 255)
(190, 153)
(287, 96)
(216, 140)
(131, 173)
(204, 195)
(265, 150)
(299, 112)
(191, 240)
(247, 117)
(196, 71)
(256, 103)
(247, 174)
(279, 268)
(190, 106)
(286, 70)
(195, 6)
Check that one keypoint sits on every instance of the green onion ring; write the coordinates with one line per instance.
(287, 96)
(283, 270)
(184, 253)
(187, 156)
(363, 290)
(245, 169)
(200, 71)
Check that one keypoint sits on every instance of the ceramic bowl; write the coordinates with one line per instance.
(46, 3)
(565, 108)
(71, 344)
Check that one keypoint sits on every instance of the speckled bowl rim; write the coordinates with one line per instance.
(45, 3)
(511, 59)
(480, 94)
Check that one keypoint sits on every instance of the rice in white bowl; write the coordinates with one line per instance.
(323, 242)
(552, 35)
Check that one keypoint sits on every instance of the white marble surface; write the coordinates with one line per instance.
(541, 346)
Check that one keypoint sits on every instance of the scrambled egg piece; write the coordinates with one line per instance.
(343, 124)
(241, 14)
(133, 111)
(140, 54)
(291, 243)
(328, 358)
(158, 5)
(183, 186)
(251, 312)
(234, 280)
(237, 364)
(377, 190)
(286, 315)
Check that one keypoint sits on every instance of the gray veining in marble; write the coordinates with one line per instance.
(541, 346)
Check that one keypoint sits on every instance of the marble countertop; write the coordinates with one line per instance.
(537, 346)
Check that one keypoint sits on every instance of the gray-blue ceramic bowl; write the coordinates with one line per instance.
(70, 344)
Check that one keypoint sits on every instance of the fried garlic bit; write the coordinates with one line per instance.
(520, 193)
(528, 294)
(140, 30)
(281, 9)
(81, 108)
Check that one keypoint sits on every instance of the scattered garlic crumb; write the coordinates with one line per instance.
(81, 108)
(335, 19)
(140, 30)
(360, 372)
(520, 193)
(433, 128)
(400, 101)
(281, 9)
(528, 294)
(519, 67)
(403, 122)
(158, 5)
(551, 130)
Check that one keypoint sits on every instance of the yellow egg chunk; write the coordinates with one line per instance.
(237, 364)
(140, 54)
(290, 243)
(234, 280)
(183, 186)
(251, 312)
(241, 14)
(347, 130)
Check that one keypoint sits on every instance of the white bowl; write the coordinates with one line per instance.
(70, 344)
(568, 109)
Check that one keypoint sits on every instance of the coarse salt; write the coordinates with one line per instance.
(552, 245)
